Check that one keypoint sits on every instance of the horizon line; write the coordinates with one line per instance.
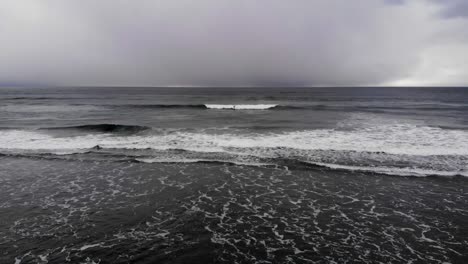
(235, 86)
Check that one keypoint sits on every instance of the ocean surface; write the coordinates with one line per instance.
(234, 175)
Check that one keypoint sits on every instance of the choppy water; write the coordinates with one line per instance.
(122, 175)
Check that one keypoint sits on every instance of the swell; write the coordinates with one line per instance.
(167, 106)
(32, 98)
(277, 107)
(206, 106)
(316, 107)
(370, 108)
(103, 128)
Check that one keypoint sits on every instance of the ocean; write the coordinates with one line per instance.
(233, 175)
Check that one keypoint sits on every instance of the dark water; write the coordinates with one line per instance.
(291, 175)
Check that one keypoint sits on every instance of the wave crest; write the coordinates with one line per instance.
(241, 106)
(103, 128)
(169, 106)
(215, 106)
(390, 148)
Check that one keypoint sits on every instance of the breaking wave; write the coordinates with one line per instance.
(397, 149)
(316, 107)
(209, 106)
(241, 106)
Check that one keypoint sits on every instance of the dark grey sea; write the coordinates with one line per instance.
(233, 175)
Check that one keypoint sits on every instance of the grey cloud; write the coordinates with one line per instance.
(447, 8)
(453, 8)
(210, 42)
(395, 2)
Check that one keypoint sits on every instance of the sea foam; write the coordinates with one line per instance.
(396, 146)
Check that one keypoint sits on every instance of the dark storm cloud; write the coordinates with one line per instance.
(213, 42)
(453, 8)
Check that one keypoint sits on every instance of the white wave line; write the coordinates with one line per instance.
(241, 106)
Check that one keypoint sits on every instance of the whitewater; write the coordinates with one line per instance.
(241, 106)
(422, 150)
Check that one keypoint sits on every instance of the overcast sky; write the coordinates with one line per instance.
(234, 42)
